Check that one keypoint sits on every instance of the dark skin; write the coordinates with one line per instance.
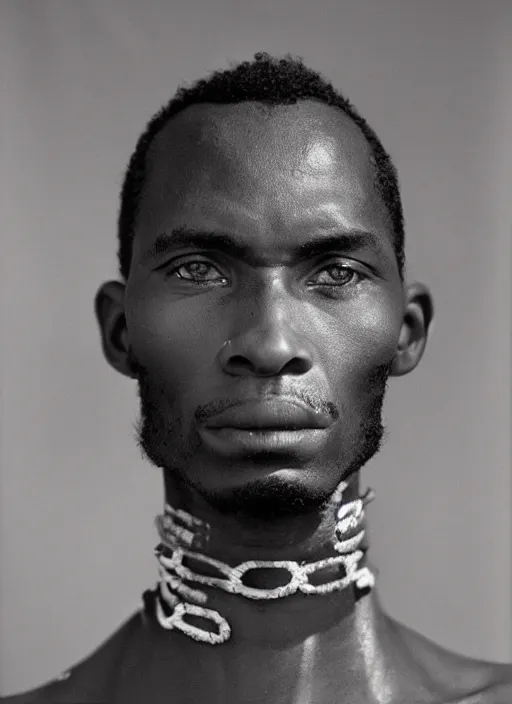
(332, 327)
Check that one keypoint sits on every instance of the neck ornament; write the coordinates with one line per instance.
(183, 568)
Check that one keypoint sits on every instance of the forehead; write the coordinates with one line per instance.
(270, 170)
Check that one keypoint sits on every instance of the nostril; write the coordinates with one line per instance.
(238, 363)
(268, 367)
(239, 360)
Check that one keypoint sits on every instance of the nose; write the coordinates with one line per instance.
(269, 347)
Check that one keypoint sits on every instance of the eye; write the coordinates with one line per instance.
(196, 271)
(339, 274)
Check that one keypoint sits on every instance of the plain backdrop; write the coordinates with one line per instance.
(80, 79)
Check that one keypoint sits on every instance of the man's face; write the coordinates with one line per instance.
(322, 328)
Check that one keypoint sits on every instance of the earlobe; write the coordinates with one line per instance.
(110, 314)
(417, 320)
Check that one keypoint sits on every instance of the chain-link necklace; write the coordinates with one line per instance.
(180, 532)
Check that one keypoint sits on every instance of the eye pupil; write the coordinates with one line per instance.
(340, 271)
(197, 272)
(197, 267)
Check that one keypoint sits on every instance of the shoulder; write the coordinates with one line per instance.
(454, 677)
(500, 688)
(51, 691)
(87, 681)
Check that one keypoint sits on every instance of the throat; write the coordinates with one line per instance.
(216, 589)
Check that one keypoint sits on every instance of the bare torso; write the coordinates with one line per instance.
(395, 665)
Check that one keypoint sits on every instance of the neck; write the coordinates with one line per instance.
(235, 539)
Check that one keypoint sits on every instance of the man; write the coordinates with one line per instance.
(262, 309)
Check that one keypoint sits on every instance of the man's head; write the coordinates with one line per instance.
(226, 300)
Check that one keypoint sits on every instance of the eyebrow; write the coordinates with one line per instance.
(346, 242)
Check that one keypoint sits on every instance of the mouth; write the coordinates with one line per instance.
(271, 426)
(270, 415)
(239, 442)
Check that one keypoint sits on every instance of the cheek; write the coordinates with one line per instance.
(364, 341)
(176, 340)
(376, 331)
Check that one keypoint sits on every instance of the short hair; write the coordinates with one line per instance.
(273, 82)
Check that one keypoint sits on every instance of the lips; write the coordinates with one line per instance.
(271, 414)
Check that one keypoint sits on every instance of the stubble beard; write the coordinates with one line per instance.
(270, 497)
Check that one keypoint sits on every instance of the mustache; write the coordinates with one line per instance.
(204, 412)
(378, 377)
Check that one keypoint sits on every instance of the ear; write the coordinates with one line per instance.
(109, 309)
(418, 316)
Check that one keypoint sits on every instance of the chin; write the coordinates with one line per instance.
(276, 496)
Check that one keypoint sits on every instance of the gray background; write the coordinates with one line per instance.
(79, 81)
